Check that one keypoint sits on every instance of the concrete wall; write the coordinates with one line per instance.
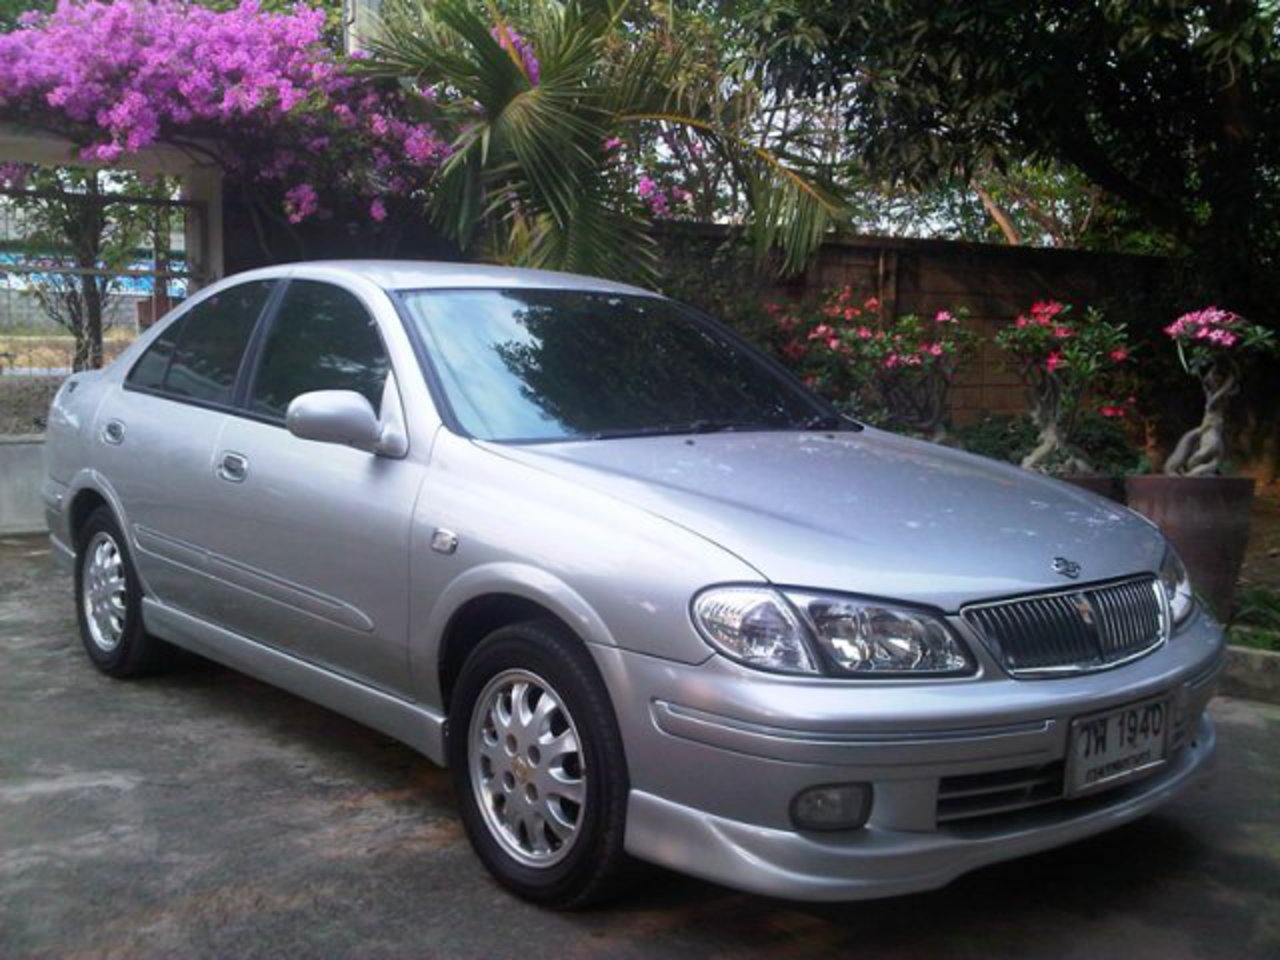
(21, 474)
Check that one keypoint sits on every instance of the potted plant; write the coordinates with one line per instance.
(1206, 515)
(893, 370)
(1065, 358)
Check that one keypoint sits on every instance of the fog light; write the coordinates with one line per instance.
(833, 806)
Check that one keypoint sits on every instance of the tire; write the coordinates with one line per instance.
(109, 601)
(546, 819)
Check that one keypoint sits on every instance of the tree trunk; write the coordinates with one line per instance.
(1002, 219)
(1200, 451)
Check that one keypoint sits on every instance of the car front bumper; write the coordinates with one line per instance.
(717, 753)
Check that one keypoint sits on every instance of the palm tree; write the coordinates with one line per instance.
(532, 179)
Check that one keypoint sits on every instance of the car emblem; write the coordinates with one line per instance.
(1068, 568)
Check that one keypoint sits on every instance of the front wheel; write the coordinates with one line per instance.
(539, 767)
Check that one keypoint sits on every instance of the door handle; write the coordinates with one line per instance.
(113, 432)
(233, 467)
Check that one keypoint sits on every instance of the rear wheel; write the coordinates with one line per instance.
(109, 601)
(539, 767)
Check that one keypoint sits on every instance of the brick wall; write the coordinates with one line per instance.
(994, 283)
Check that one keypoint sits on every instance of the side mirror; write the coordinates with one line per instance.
(335, 416)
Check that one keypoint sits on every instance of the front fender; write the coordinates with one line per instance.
(501, 577)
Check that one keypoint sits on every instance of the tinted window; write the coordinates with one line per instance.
(322, 339)
(555, 364)
(211, 344)
(151, 367)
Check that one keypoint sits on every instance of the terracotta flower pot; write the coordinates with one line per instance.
(1207, 520)
(1110, 487)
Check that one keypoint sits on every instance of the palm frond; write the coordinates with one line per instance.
(528, 158)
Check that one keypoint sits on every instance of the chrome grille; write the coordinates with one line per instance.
(1072, 631)
(987, 794)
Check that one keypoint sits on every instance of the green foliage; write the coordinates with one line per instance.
(1107, 444)
(1170, 106)
(1254, 638)
(532, 179)
(81, 219)
(12, 10)
(1258, 606)
(1104, 441)
(998, 436)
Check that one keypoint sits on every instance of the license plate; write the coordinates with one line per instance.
(1106, 749)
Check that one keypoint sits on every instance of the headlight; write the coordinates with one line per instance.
(755, 626)
(1177, 586)
(869, 637)
(759, 627)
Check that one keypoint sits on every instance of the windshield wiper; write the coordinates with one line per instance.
(828, 421)
(820, 421)
(676, 429)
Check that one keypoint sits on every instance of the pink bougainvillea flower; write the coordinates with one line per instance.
(1053, 362)
(646, 187)
(1111, 412)
(301, 202)
(612, 144)
(1120, 355)
(377, 210)
(821, 332)
(864, 333)
(944, 316)
(254, 84)
(872, 304)
(1063, 333)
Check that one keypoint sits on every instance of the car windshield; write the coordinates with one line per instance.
(543, 365)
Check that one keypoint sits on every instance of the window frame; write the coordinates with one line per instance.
(266, 325)
(251, 361)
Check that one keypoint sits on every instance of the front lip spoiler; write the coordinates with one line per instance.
(877, 862)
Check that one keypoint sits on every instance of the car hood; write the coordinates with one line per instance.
(864, 511)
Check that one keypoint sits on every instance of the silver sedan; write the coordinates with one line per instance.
(645, 595)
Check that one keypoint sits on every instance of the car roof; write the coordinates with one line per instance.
(431, 274)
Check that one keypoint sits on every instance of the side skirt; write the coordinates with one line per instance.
(420, 728)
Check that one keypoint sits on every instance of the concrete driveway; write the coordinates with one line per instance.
(202, 814)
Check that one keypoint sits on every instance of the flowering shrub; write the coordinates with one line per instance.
(1210, 343)
(1063, 357)
(893, 369)
(260, 91)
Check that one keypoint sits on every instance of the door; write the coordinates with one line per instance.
(314, 535)
(156, 439)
